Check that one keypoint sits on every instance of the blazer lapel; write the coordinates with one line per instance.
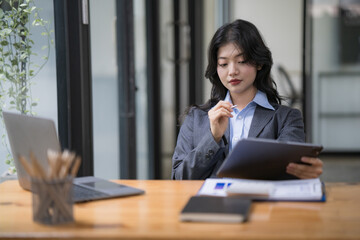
(227, 136)
(261, 117)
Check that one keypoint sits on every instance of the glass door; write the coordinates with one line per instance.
(119, 94)
(333, 101)
(104, 88)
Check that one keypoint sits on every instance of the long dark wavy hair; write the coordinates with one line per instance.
(247, 37)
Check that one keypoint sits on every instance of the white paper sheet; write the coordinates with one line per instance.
(286, 190)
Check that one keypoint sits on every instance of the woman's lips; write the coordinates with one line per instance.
(234, 81)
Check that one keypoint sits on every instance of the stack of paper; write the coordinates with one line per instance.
(286, 190)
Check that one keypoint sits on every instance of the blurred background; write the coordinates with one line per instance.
(145, 62)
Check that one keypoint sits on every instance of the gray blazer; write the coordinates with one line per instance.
(198, 156)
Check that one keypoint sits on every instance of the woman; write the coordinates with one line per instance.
(243, 103)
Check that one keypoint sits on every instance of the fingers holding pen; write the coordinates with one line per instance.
(223, 104)
(219, 118)
(221, 109)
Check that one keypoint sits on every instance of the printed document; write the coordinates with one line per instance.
(285, 190)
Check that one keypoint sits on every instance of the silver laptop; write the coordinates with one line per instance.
(34, 134)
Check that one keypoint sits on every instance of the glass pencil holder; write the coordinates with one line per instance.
(52, 201)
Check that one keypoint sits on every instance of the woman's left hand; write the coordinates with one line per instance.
(314, 170)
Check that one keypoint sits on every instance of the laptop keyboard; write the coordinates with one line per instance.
(81, 194)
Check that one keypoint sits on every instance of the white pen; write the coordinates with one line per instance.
(233, 106)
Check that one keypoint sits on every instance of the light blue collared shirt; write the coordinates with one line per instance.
(241, 121)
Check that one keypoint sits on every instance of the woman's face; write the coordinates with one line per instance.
(235, 74)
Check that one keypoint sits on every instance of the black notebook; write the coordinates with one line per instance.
(216, 209)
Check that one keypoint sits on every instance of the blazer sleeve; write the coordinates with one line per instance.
(196, 152)
(292, 125)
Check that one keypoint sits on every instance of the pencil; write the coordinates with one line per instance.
(26, 166)
(75, 167)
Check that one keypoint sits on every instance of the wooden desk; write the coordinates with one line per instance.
(155, 216)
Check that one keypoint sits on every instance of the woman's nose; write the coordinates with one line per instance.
(233, 70)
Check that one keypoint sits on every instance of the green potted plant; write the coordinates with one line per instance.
(17, 65)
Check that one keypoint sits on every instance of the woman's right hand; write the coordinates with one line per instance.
(219, 119)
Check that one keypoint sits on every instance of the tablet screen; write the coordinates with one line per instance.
(255, 158)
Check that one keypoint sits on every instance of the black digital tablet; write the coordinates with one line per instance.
(255, 158)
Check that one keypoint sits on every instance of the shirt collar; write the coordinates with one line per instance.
(260, 99)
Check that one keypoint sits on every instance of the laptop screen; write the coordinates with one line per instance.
(30, 134)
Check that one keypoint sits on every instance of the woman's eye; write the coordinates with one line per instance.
(242, 62)
(222, 64)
